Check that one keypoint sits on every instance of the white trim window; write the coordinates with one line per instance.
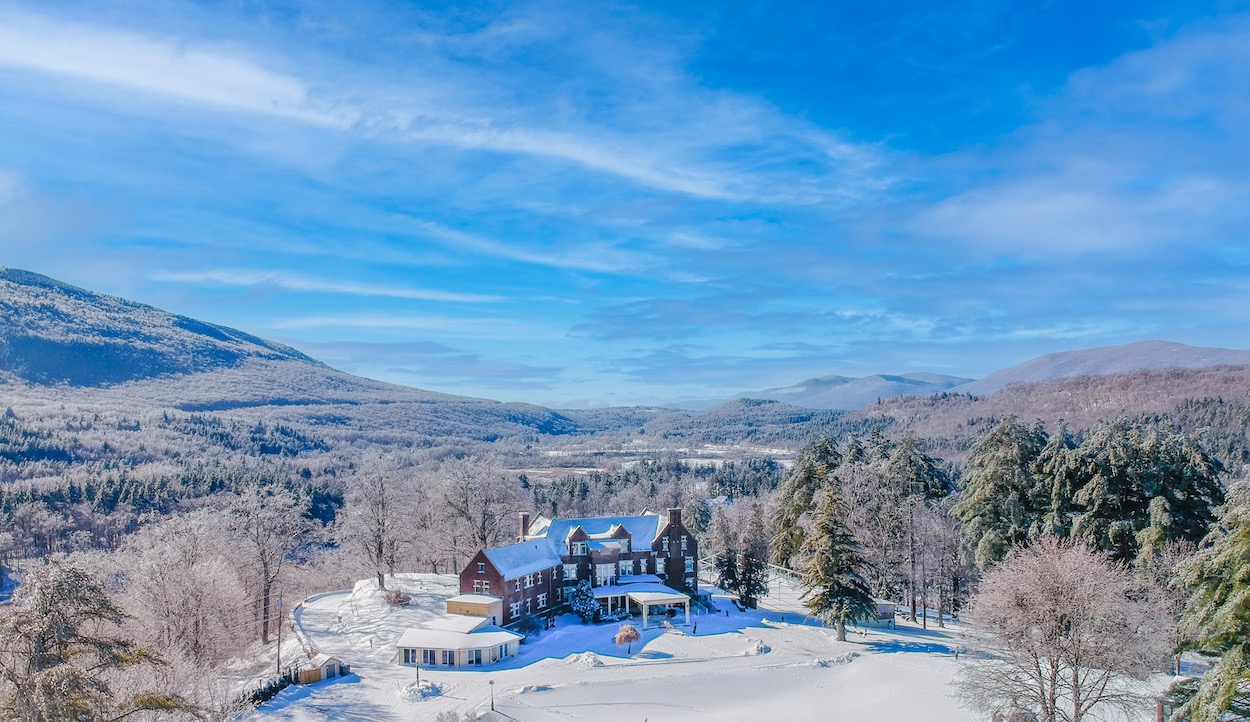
(570, 572)
(542, 601)
(429, 657)
(689, 565)
(473, 656)
(683, 542)
(481, 567)
(624, 546)
(449, 657)
(664, 546)
(518, 584)
(529, 580)
(514, 610)
(627, 567)
(579, 548)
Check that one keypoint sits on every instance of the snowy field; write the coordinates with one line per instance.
(759, 665)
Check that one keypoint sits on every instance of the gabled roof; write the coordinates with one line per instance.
(643, 529)
(522, 558)
(480, 638)
(455, 623)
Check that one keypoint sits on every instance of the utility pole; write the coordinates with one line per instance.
(492, 695)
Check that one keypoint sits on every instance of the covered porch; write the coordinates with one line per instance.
(642, 598)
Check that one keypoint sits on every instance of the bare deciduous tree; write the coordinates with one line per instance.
(477, 499)
(269, 524)
(1060, 636)
(377, 519)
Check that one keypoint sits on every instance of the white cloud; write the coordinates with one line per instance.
(159, 65)
(294, 282)
(495, 329)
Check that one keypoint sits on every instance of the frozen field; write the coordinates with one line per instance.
(759, 665)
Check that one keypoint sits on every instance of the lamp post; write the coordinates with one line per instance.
(492, 695)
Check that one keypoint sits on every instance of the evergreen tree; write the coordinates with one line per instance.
(722, 544)
(1142, 487)
(1002, 499)
(916, 479)
(1056, 465)
(582, 600)
(1218, 613)
(753, 574)
(56, 654)
(833, 569)
(811, 472)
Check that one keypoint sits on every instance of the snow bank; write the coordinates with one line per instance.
(757, 648)
(585, 659)
(834, 661)
(418, 691)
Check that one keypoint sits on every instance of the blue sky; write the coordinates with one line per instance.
(591, 203)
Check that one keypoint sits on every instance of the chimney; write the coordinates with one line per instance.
(674, 516)
(525, 525)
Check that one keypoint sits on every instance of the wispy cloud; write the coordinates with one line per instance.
(424, 361)
(498, 329)
(163, 66)
(295, 282)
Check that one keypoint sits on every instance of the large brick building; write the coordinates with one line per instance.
(551, 556)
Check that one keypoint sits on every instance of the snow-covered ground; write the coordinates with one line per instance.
(757, 665)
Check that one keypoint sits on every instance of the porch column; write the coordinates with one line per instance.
(687, 612)
(645, 608)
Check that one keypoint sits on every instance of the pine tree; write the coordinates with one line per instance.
(55, 651)
(916, 479)
(833, 569)
(1218, 613)
(753, 574)
(1002, 499)
(723, 543)
(582, 600)
(812, 470)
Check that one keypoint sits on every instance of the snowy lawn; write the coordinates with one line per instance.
(756, 665)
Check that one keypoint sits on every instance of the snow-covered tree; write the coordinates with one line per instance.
(376, 523)
(269, 525)
(582, 600)
(60, 651)
(812, 471)
(833, 568)
(1217, 614)
(722, 544)
(1061, 636)
(477, 498)
(753, 570)
(1002, 500)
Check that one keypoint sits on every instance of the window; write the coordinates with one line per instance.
(624, 546)
(514, 610)
(683, 542)
(538, 578)
(570, 572)
(529, 580)
(481, 586)
(627, 568)
(449, 657)
(503, 651)
(689, 564)
(410, 655)
(518, 584)
(529, 605)
(473, 656)
(481, 567)
(579, 548)
(542, 601)
(664, 545)
(429, 657)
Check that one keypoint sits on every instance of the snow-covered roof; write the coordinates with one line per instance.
(642, 529)
(427, 638)
(321, 659)
(620, 590)
(649, 598)
(454, 623)
(474, 599)
(639, 579)
(523, 557)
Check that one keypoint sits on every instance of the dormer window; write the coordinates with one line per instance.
(579, 548)
(624, 546)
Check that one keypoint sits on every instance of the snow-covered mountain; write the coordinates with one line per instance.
(1105, 361)
(843, 393)
(52, 332)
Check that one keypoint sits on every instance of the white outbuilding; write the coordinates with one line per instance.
(456, 640)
